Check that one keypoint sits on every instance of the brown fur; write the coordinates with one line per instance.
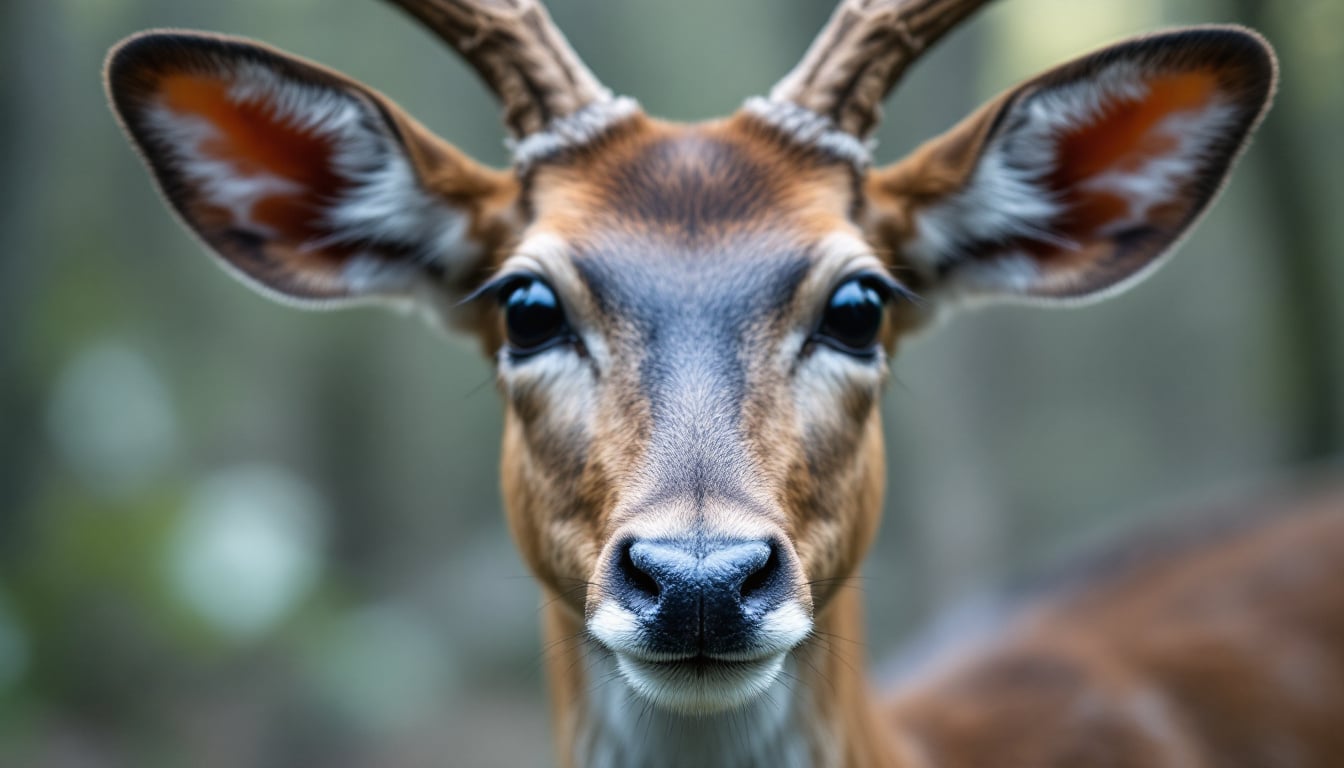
(1229, 652)
(735, 233)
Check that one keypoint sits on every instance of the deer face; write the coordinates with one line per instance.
(694, 434)
(690, 324)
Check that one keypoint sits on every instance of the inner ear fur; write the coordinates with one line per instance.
(363, 202)
(1004, 205)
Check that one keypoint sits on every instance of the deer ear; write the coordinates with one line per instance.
(309, 187)
(1076, 183)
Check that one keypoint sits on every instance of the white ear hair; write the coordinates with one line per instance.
(381, 202)
(1008, 197)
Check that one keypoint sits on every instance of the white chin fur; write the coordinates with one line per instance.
(691, 688)
(699, 687)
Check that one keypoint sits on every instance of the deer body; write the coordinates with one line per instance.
(1223, 651)
(691, 326)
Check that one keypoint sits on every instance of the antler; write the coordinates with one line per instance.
(857, 59)
(519, 53)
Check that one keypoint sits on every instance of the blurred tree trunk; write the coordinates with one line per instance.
(1299, 216)
(26, 37)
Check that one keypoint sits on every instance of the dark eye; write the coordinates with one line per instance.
(532, 315)
(853, 316)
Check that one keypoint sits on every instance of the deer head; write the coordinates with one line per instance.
(691, 324)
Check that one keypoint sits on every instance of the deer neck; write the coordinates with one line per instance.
(819, 714)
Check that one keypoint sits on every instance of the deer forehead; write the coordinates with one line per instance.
(713, 228)
(696, 182)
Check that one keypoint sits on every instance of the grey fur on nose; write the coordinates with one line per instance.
(695, 596)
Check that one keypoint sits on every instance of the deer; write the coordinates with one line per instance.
(690, 327)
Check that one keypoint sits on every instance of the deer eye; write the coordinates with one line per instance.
(532, 315)
(853, 316)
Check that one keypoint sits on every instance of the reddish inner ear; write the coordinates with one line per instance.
(259, 144)
(1124, 137)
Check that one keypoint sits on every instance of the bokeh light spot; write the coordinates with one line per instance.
(247, 549)
(111, 419)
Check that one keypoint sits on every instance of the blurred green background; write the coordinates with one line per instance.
(233, 534)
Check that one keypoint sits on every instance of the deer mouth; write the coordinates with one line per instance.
(701, 684)
(698, 626)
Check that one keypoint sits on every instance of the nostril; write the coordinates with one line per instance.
(760, 582)
(639, 582)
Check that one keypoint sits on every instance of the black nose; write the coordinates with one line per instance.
(698, 597)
